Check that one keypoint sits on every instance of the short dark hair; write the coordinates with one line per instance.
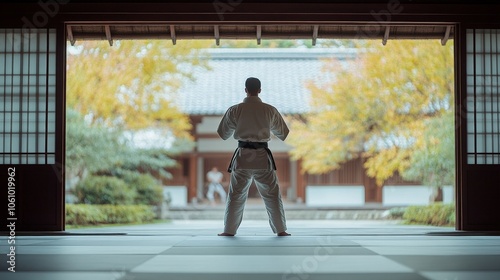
(252, 84)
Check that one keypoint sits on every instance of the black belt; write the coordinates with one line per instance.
(251, 145)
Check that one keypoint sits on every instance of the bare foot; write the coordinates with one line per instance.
(225, 234)
(284, 233)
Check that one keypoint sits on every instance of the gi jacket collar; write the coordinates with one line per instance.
(249, 99)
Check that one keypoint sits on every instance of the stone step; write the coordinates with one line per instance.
(291, 214)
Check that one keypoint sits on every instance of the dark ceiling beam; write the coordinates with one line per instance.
(307, 7)
(302, 31)
(13, 14)
(268, 35)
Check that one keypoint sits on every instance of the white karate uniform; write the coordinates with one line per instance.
(252, 120)
(214, 185)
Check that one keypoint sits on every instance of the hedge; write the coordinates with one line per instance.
(104, 190)
(86, 214)
(147, 189)
(130, 188)
(436, 214)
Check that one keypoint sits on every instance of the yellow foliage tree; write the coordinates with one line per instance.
(374, 107)
(132, 84)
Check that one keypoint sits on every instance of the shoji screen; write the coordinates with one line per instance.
(479, 193)
(27, 96)
(483, 96)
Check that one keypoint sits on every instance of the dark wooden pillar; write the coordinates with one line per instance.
(193, 160)
(301, 182)
(373, 193)
(192, 177)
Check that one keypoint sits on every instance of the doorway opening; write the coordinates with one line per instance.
(367, 167)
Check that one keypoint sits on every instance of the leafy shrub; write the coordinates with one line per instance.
(122, 214)
(104, 190)
(395, 213)
(148, 192)
(437, 214)
(85, 214)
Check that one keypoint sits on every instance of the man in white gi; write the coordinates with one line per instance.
(251, 123)
(214, 178)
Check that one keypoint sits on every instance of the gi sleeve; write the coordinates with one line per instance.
(279, 127)
(227, 125)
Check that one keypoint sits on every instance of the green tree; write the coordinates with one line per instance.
(149, 191)
(374, 107)
(104, 190)
(91, 147)
(433, 161)
(94, 149)
(136, 160)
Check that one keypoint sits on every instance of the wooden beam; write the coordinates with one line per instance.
(315, 34)
(386, 35)
(217, 35)
(446, 35)
(172, 34)
(70, 35)
(83, 31)
(108, 35)
(259, 34)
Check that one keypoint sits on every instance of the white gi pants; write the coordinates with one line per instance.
(267, 185)
(216, 187)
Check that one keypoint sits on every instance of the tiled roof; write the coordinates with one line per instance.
(283, 73)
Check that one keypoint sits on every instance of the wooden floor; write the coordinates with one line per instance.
(316, 250)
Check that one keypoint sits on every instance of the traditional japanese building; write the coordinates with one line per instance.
(285, 74)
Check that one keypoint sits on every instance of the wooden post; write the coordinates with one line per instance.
(193, 162)
(373, 193)
(193, 175)
(301, 182)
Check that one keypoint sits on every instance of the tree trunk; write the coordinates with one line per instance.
(437, 195)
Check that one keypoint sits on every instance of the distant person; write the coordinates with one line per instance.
(214, 178)
(251, 123)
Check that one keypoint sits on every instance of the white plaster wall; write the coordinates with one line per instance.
(178, 195)
(413, 195)
(335, 195)
(448, 194)
(406, 195)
